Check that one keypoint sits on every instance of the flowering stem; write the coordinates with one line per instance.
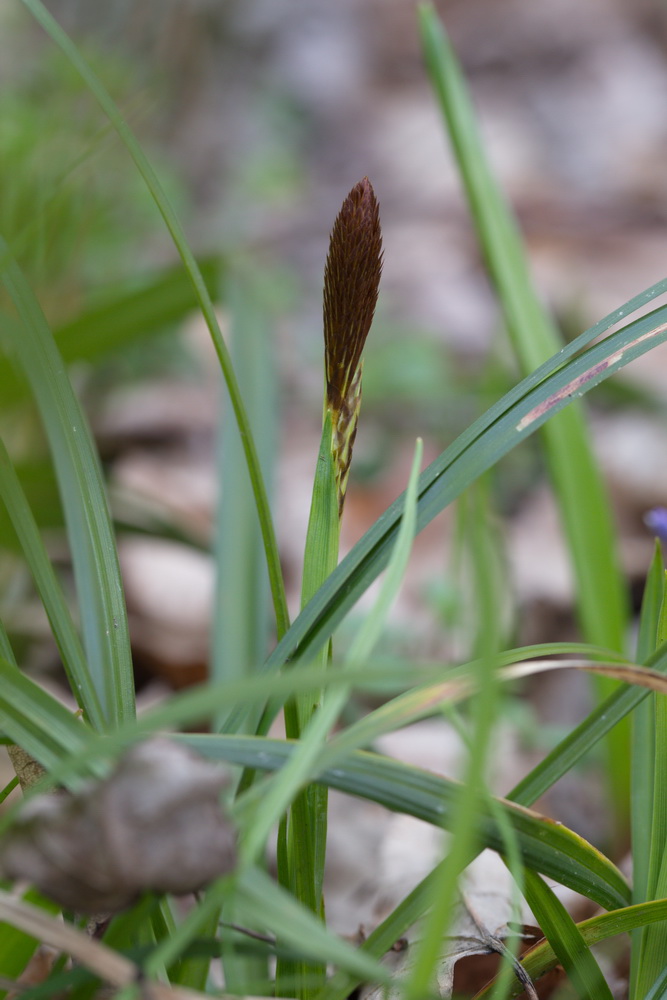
(351, 283)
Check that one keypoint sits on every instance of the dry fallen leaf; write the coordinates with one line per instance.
(155, 823)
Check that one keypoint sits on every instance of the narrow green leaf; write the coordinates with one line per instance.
(602, 600)
(583, 502)
(644, 727)
(546, 846)
(651, 958)
(484, 711)
(90, 533)
(510, 421)
(321, 553)
(240, 622)
(643, 752)
(658, 990)
(6, 651)
(50, 591)
(264, 901)
(164, 299)
(369, 633)
(584, 737)
(61, 39)
(35, 721)
(541, 958)
(566, 940)
(124, 318)
(241, 619)
(303, 833)
(300, 765)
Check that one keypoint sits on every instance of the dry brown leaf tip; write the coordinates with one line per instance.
(155, 823)
(351, 285)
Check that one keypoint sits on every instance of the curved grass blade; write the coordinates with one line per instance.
(50, 591)
(558, 762)
(143, 165)
(584, 736)
(36, 722)
(510, 421)
(602, 600)
(546, 846)
(541, 958)
(90, 533)
(198, 704)
(241, 618)
(566, 940)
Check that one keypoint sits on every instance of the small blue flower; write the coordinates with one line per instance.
(656, 521)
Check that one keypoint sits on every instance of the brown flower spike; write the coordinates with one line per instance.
(351, 284)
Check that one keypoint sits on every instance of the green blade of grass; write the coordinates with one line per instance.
(564, 756)
(299, 767)
(6, 651)
(583, 501)
(294, 925)
(659, 988)
(427, 700)
(321, 553)
(90, 533)
(546, 846)
(584, 737)
(50, 591)
(163, 300)
(367, 637)
(602, 602)
(241, 618)
(196, 705)
(301, 853)
(541, 958)
(492, 436)
(240, 633)
(484, 711)
(643, 753)
(261, 903)
(643, 757)
(566, 940)
(101, 95)
(35, 721)
(127, 317)
(650, 958)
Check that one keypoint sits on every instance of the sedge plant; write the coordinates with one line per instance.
(250, 921)
(351, 285)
